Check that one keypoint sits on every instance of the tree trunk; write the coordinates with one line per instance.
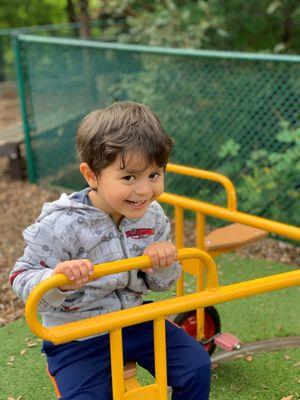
(287, 29)
(289, 13)
(2, 63)
(84, 19)
(70, 9)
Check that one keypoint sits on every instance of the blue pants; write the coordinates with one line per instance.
(81, 369)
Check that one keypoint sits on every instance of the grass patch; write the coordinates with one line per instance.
(22, 374)
(267, 376)
(273, 314)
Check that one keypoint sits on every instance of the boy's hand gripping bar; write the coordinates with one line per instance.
(101, 323)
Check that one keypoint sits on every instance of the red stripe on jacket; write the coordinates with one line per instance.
(140, 233)
(14, 275)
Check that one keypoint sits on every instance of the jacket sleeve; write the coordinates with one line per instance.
(161, 279)
(42, 253)
(44, 250)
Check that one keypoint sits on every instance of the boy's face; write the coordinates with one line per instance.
(127, 191)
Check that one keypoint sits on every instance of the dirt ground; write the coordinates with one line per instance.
(20, 204)
(9, 106)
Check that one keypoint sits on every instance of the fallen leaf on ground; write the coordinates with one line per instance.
(264, 386)
(297, 364)
(249, 358)
(31, 344)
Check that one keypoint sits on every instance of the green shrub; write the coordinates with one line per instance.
(269, 184)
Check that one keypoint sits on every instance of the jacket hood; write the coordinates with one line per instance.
(67, 202)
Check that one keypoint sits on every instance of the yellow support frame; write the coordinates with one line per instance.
(203, 209)
(210, 176)
(212, 294)
(193, 260)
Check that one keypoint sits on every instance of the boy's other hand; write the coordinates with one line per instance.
(77, 271)
(162, 254)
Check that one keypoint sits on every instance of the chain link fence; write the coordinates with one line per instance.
(105, 30)
(235, 113)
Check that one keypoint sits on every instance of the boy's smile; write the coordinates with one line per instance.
(137, 204)
(125, 190)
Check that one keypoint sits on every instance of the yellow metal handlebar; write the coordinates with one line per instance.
(289, 231)
(213, 294)
(80, 329)
(211, 176)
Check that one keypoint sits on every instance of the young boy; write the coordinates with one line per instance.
(123, 151)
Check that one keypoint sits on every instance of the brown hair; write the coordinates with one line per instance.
(122, 128)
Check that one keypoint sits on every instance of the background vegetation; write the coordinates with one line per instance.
(270, 180)
(256, 25)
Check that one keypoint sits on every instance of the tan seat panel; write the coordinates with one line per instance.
(129, 370)
(233, 236)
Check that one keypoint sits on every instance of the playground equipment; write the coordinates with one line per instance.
(194, 311)
(204, 324)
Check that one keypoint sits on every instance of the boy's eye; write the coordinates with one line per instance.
(129, 178)
(154, 175)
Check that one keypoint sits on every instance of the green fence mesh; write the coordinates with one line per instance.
(229, 112)
(101, 30)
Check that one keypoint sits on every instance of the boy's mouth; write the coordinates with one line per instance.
(137, 204)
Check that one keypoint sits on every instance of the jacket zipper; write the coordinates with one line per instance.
(122, 242)
(121, 237)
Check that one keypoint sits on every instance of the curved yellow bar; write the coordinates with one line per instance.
(82, 329)
(213, 294)
(148, 312)
(279, 228)
(208, 175)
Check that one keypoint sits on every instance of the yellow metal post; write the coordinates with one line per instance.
(179, 227)
(179, 242)
(200, 230)
(200, 238)
(117, 369)
(160, 357)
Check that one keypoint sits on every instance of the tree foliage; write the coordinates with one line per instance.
(20, 13)
(256, 25)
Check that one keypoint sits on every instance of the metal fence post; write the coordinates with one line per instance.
(24, 111)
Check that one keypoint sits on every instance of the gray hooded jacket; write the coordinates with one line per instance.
(71, 228)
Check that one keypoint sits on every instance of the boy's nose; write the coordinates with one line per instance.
(143, 189)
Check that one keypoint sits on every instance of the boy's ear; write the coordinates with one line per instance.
(89, 175)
